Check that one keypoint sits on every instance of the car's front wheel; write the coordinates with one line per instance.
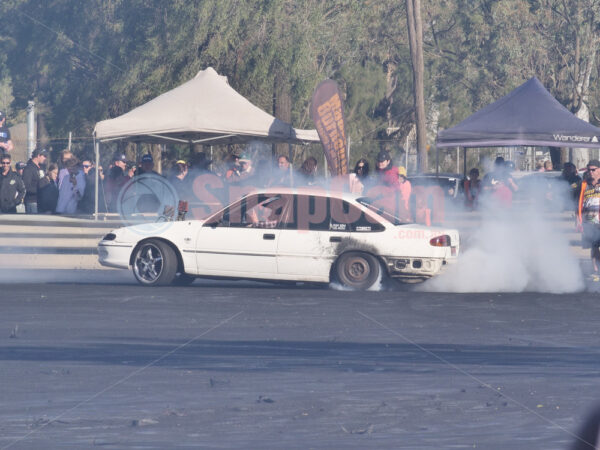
(154, 263)
(357, 270)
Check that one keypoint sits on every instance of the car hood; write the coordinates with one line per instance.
(168, 230)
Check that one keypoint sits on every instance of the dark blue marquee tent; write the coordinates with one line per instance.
(529, 115)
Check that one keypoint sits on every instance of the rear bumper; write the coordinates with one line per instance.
(416, 268)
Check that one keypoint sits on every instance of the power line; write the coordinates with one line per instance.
(70, 40)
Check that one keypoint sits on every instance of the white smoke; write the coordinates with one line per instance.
(515, 250)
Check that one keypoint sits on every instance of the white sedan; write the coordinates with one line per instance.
(305, 235)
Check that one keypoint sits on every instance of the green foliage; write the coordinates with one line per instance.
(87, 61)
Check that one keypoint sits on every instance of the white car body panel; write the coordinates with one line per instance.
(305, 254)
(216, 250)
(237, 252)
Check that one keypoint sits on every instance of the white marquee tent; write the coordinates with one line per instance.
(206, 110)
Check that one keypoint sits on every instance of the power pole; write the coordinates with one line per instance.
(415, 38)
(30, 128)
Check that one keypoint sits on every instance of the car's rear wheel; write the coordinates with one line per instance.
(357, 270)
(154, 263)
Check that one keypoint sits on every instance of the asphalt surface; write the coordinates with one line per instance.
(97, 361)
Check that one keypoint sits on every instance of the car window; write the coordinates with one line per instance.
(319, 213)
(254, 211)
(451, 186)
(372, 205)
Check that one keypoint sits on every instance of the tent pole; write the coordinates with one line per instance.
(437, 162)
(97, 175)
(457, 159)
(532, 149)
(465, 161)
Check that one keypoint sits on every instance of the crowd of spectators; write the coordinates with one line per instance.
(69, 185)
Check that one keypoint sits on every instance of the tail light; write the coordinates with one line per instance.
(440, 241)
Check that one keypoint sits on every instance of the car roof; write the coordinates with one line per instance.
(302, 190)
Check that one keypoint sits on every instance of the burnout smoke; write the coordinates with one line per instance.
(516, 250)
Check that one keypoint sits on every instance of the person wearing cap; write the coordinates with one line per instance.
(12, 189)
(19, 167)
(232, 172)
(387, 173)
(6, 144)
(391, 194)
(246, 169)
(116, 178)
(147, 166)
(32, 174)
(179, 179)
(588, 214)
(87, 204)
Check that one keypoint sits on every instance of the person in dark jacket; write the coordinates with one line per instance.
(12, 189)
(48, 191)
(179, 180)
(87, 204)
(115, 180)
(32, 174)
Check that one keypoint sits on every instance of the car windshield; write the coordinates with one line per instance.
(448, 184)
(372, 205)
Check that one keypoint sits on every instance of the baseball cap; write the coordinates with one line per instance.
(120, 157)
(147, 158)
(594, 162)
(39, 152)
(402, 171)
(383, 155)
(20, 165)
(181, 161)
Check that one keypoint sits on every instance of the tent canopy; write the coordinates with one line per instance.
(205, 110)
(529, 115)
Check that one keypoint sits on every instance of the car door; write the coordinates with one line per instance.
(242, 239)
(316, 234)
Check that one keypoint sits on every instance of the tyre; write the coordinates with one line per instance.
(154, 263)
(357, 270)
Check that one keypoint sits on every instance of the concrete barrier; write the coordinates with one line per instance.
(51, 242)
(62, 242)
